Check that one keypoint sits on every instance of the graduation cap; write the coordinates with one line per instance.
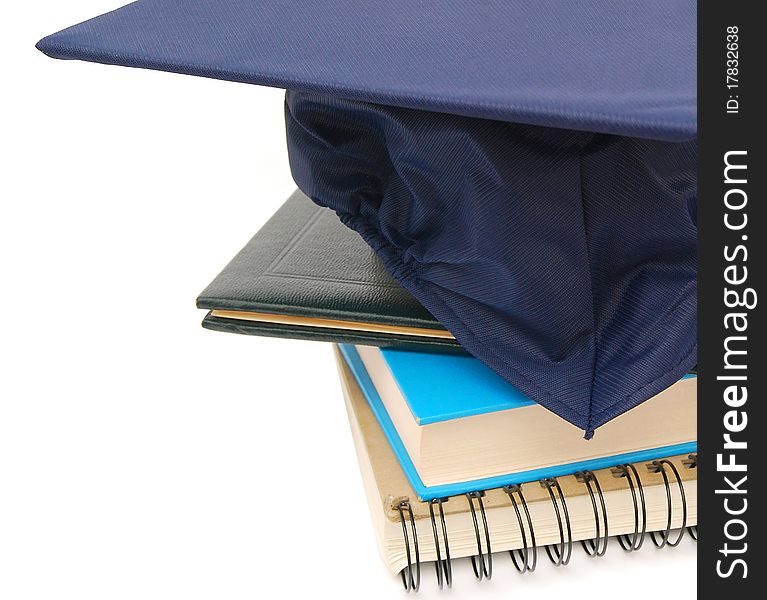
(525, 169)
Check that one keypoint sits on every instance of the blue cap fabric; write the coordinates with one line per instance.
(622, 67)
(526, 169)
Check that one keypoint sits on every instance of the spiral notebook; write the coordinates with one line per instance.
(631, 501)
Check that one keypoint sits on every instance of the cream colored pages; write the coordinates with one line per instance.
(497, 443)
(386, 484)
(331, 324)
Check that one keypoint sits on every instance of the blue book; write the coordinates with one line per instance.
(456, 426)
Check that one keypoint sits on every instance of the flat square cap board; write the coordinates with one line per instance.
(525, 169)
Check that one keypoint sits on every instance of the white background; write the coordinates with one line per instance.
(140, 455)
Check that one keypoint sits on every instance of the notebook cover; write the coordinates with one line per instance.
(450, 390)
(305, 263)
(440, 491)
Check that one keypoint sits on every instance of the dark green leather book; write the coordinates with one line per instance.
(305, 275)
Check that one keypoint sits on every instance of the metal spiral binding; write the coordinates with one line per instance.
(693, 531)
(527, 550)
(481, 565)
(525, 559)
(640, 508)
(691, 462)
(598, 545)
(407, 573)
(443, 566)
(662, 539)
(559, 554)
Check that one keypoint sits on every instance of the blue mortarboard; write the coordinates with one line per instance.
(525, 169)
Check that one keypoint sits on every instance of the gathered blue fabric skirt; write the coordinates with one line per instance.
(564, 260)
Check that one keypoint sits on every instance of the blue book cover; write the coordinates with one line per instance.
(439, 387)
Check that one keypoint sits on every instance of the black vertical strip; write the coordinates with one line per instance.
(732, 230)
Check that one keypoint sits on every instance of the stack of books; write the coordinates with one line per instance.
(456, 462)
(528, 172)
